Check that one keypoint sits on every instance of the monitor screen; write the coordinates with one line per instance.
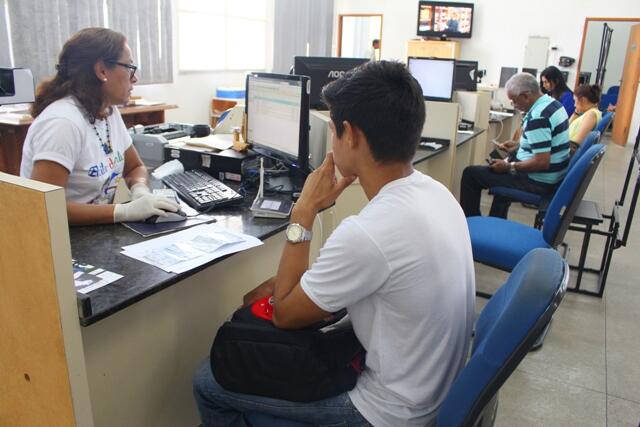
(465, 77)
(505, 74)
(435, 76)
(7, 85)
(532, 71)
(322, 70)
(565, 75)
(445, 19)
(278, 117)
(584, 77)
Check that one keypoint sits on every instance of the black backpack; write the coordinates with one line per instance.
(250, 355)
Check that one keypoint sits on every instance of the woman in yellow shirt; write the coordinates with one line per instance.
(586, 117)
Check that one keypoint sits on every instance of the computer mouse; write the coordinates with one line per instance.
(180, 215)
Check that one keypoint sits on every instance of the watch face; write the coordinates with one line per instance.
(294, 233)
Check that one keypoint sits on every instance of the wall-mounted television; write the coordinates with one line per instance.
(445, 19)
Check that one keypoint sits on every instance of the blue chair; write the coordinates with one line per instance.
(515, 195)
(607, 117)
(502, 243)
(505, 331)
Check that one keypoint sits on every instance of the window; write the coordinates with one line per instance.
(35, 39)
(223, 34)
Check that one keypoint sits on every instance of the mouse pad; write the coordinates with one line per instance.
(146, 230)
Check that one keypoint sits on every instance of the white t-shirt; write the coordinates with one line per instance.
(403, 268)
(62, 134)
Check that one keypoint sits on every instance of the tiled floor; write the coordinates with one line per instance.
(588, 371)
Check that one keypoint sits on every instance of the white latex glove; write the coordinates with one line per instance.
(143, 207)
(138, 190)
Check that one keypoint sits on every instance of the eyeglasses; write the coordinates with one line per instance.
(132, 68)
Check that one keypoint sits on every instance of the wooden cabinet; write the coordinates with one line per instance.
(433, 48)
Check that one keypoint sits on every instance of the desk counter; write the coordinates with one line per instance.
(101, 246)
(464, 137)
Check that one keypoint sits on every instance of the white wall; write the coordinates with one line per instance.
(500, 29)
(192, 92)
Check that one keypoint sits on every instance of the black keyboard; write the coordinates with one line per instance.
(200, 190)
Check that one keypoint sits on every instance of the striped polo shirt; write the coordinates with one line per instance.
(546, 129)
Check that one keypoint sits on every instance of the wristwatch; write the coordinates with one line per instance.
(296, 233)
(512, 168)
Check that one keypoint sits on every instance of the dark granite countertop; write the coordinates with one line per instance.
(463, 138)
(424, 153)
(100, 245)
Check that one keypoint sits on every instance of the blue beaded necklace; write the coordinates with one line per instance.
(106, 145)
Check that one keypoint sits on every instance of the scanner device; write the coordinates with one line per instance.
(180, 215)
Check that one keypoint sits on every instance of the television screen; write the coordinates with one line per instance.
(445, 19)
(435, 76)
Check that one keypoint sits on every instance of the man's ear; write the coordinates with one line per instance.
(355, 135)
(100, 69)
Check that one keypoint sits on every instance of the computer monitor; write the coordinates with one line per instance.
(465, 76)
(278, 117)
(584, 77)
(505, 74)
(435, 76)
(565, 75)
(532, 71)
(16, 86)
(445, 19)
(322, 70)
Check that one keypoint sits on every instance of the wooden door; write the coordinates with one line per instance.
(628, 88)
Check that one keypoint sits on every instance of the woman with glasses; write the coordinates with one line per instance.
(78, 139)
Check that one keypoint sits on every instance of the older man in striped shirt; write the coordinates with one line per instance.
(536, 164)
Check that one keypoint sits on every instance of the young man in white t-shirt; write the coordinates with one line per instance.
(402, 267)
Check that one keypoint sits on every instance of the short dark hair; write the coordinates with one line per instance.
(375, 41)
(591, 92)
(385, 102)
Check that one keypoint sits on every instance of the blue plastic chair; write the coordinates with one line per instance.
(505, 332)
(502, 243)
(607, 117)
(515, 195)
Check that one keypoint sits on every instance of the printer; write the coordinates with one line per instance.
(150, 140)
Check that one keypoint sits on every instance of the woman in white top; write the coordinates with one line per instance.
(586, 116)
(78, 139)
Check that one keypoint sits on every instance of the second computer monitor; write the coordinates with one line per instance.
(584, 77)
(466, 76)
(278, 117)
(532, 71)
(505, 74)
(435, 76)
(322, 70)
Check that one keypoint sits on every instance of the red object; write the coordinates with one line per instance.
(263, 308)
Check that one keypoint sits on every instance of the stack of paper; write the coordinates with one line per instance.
(185, 250)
